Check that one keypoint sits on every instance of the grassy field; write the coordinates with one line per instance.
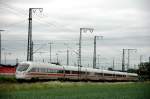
(74, 90)
(6, 79)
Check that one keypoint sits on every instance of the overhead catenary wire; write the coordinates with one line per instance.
(20, 13)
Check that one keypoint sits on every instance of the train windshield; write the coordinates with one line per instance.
(22, 67)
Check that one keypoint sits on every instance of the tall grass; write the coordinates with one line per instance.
(7, 79)
(75, 90)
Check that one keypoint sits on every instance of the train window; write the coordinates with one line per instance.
(52, 71)
(119, 75)
(60, 71)
(37, 69)
(22, 67)
(108, 74)
(74, 72)
(33, 70)
(82, 72)
(123, 75)
(67, 72)
(41, 69)
(46, 70)
(98, 74)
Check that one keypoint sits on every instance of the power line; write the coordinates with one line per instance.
(19, 12)
(13, 24)
(15, 11)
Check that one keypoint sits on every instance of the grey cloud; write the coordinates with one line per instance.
(122, 23)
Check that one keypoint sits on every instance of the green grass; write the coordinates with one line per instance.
(5, 79)
(74, 90)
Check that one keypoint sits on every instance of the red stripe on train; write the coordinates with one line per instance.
(45, 74)
(52, 74)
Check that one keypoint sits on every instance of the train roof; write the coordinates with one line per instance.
(75, 68)
(40, 65)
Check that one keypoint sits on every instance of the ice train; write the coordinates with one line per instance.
(34, 70)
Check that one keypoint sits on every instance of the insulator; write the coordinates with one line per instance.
(41, 10)
(34, 10)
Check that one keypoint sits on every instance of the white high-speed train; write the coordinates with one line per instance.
(33, 70)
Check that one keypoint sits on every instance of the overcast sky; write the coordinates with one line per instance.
(123, 23)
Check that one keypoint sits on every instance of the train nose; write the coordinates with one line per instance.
(19, 75)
